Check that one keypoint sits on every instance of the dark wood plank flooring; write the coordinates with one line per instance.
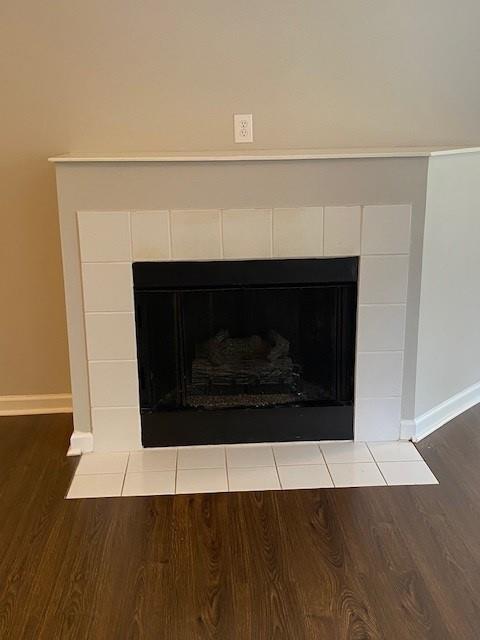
(394, 563)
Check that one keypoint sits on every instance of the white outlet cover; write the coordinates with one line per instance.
(243, 127)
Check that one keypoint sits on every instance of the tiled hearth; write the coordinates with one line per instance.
(110, 241)
(213, 469)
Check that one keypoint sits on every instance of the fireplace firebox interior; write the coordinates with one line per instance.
(246, 351)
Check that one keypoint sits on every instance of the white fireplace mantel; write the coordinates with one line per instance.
(264, 154)
(115, 209)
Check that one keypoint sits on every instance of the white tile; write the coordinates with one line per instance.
(250, 456)
(110, 336)
(298, 454)
(254, 479)
(399, 451)
(201, 457)
(309, 476)
(298, 232)
(116, 428)
(152, 460)
(346, 452)
(379, 375)
(381, 327)
(377, 418)
(342, 231)
(105, 485)
(247, 233)
(149, 483)
(386, 229)
(104, 236)
(383, 279)
(96, 463)
(107, 286)
(151, 235)
(196, 235)
(356, 474)
(407, 473)
(113, 384)
(201, 480)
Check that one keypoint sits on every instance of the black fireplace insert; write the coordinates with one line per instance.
(246, 351)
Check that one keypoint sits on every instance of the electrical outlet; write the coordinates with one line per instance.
(243, 126)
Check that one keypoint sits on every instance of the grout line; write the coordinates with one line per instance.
(276, 468)
(218, 467)
(362, 218)
(330, 474)
(170, 235)
(382, 351)
(382, 304)
(271, 233)
(403, 462)
(129, 262)
(274, 217)
(124, 475)
(226, 470)
(169, 231)
(255, 466)
(378, 398)
(354, 462)
(176, 473)
(323, 230)
(116, 360)
(130, 235)
(222, 244)
(114, 407)
(371, 452)
(384, 255)
(247, 445)
(108, 313)
(323, 455)
(378, 467)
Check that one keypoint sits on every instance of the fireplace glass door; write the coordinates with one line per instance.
(221, 349)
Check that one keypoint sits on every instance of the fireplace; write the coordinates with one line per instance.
(246, 351)
(117, 214)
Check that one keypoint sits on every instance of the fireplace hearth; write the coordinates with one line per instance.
(246, 351)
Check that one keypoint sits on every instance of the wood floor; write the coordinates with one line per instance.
(384, 562)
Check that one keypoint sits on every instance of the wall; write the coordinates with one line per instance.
(449, 324)
(120, 75)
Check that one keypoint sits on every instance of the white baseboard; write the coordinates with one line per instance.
(35, 404)
(433, 419)
(80, 442)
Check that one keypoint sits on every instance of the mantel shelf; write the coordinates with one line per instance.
(262, 155)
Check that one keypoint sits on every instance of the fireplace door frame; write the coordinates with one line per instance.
(243, 425)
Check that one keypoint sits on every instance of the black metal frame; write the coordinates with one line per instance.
(232, 426)
(270, 424)
(148, 276)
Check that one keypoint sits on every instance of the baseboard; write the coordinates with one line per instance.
(35, 404)
(80, 442)
(435, 418)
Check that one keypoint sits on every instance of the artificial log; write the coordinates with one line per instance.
(225, 361)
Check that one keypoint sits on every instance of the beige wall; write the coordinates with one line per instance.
(168, 74)
(449, 323)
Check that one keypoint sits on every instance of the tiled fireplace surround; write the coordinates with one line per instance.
(110, 241)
